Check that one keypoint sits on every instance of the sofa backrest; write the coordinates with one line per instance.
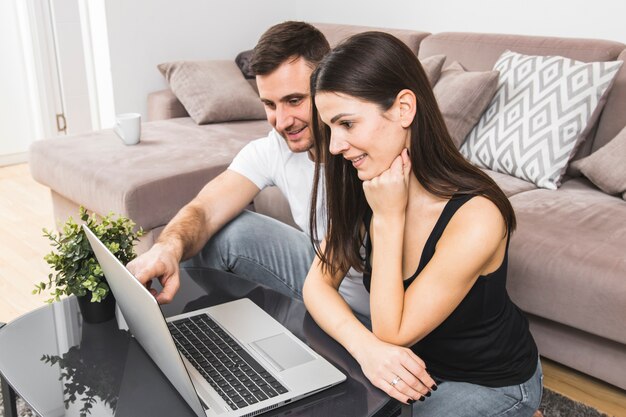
(335, 33)
(164, 104)
(480, 51)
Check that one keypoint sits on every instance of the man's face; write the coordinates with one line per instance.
(287, 100)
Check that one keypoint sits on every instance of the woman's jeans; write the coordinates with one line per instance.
(461, 399)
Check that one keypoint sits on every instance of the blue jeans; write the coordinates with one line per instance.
(461, 399)
(261, 249)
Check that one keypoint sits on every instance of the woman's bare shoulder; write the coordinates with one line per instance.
(479, 220)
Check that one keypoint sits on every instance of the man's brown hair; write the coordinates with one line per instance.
(288, 40)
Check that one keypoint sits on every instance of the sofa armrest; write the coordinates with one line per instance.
(164, 105)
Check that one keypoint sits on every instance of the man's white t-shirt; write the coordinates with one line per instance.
(269, 162)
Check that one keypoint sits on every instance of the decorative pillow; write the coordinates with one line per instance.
(432, 67)
(606, 167)
(544, 106)
(213, 91)
(243, 62)
(462, 97)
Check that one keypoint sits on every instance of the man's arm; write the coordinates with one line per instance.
(216, 204)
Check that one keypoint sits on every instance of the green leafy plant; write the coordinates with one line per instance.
(76, 270)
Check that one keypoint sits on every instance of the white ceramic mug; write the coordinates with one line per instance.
(128, 127)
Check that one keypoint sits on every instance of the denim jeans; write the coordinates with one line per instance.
(261, 249)
(461, 399)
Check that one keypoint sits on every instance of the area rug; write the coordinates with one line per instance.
(556, 405)
(552, 405)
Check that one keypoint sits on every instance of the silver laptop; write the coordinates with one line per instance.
(232, 359)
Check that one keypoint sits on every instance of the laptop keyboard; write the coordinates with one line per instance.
(236, 376)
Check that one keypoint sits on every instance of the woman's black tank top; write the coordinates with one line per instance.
(486, 339)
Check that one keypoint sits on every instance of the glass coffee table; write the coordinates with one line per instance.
(62, 366)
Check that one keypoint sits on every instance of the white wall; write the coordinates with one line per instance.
(145, 33)
(569, 18)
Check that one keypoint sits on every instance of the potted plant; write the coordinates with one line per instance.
(76, 270)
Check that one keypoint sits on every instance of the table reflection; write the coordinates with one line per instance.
(91, 370)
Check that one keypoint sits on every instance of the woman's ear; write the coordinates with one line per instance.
(406, 102)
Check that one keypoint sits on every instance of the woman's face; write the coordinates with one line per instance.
(363, 133)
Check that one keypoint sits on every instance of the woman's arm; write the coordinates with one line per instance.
(381, 362)
(329, 309)
(472, 244)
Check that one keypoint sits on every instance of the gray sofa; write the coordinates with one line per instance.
(567, 265)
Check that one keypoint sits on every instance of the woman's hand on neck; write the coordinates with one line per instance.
(387, 194)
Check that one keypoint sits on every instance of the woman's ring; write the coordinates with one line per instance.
(395, 381)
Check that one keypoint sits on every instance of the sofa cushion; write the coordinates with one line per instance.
(148, 182)
(462, 97)
(566, 258)
(606, 167)
(163, 104)
(432, 67)
(213, 91)
(510, 185)
(544, 106)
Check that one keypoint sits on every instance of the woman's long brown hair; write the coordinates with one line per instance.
(375, 67)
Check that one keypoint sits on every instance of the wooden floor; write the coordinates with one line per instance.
(25, 208)
(580, 387)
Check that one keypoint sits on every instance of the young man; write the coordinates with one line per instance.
(213, 231)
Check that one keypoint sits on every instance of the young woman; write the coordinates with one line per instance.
(430, 232)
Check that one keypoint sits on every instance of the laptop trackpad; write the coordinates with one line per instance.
(281, 351)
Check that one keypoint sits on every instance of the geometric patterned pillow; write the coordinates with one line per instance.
(544, 107)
